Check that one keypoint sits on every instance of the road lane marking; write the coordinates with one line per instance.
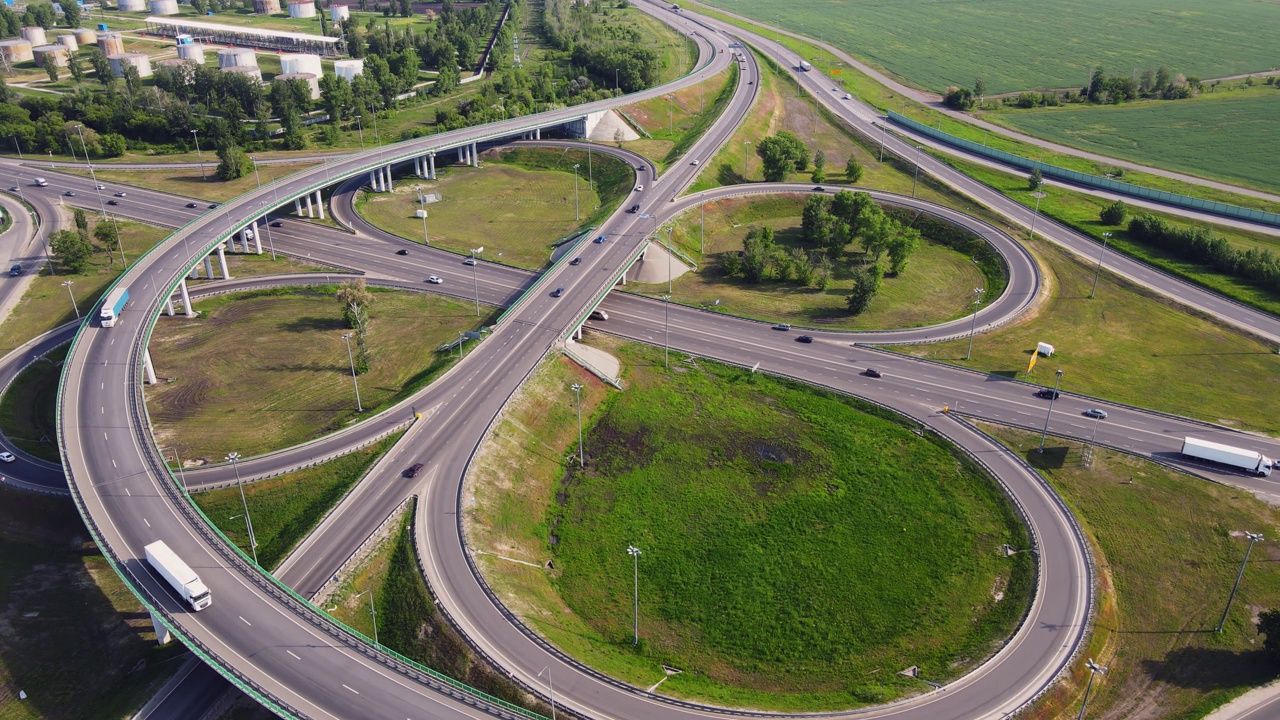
(126, 492)
(294, 656)
(246, 622)
(148, 522)
(350, 688)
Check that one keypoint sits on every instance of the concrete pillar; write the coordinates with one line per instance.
(231, 243)
(390, 185)
(244, 240)
(373, 181)
(168, 306)
(208, 267)
(222, 260)
(162, 633)
(624, 278)
(149, 368)
(257, 236)
(579, 332)
(475, 159)
(297, 207)
(195, 272)
(459, 155)
(319, 204)
(417, 166)
(186, 299)
(537, 133)
(309, 213)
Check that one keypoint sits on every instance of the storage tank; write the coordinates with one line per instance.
(15, 51)
(56, 54)
(85, 36)
(164, 7)
(348, 69)
(252, 71)
(183, 71)
(193, 52)
(132, 5)
(138, 60)
(302, 9)
(301, 63)
(68, 41)
(339, 12)
(111, 43)
(34, 35)
(237, 57)
(266, 7)
(310, 78)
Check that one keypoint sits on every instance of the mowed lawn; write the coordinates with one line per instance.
(264, 370)
(1217, 135)
(190, 183)
(1014, 47)
(936, 285)
(514, 213)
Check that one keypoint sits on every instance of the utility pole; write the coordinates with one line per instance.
(195, 136)
(68, 285)
(1253, 538)
(1098, 271)
(347, 338)
(475, 278)
(1038, 196)
(634, 552)
(916, 178)
(666, 331)
(1052, 398)
(576, 216)
(582, 460)
(234, 458)
(1094, 669)
(977, 300)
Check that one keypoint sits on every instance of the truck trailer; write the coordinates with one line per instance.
(804, 66)
(113, 305)
(1239, 458)
(179, 575)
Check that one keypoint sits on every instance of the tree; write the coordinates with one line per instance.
(757, 252)
(353, 295)
(819, 167)
(113, 145)
(1094, 90)
(775, 157)
(82, 223)
(77, 70)
(233, 162)
(901, 246)
(71, 13)
(106, 236)
(51, 69)
(1114, 214)
(980, 88)
(1269, 625)
(40, 13)
(958, 98)
(865, 286)
(101, 67)
(72, 250)
(1035, 179)
(852, 170)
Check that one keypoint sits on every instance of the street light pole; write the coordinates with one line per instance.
(68, 285)
(196, 137)
(92, 175)
(360, 128)
(634, 552)
(373, 614)
(271, 243)
(702, 241)
(1098, 271)
(745, 143)
(576, 216)
(1094, 669)
(884, 132)
(670, 227)
(347, 338)
(577, 390)
(1253, 538)
(234, 458)
(474, 278)
(666, 331)
(1052, 398)
(977, 300)
(256, 176)
(916, 178)
(551, 688)
(1037, 195)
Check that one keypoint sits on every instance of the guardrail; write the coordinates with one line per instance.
(1079, 178)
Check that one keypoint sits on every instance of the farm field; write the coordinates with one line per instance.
(936, 44)
(768, 469)
(1216, 135)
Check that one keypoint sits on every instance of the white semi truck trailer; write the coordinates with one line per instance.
(1247, 460)
(179, 574)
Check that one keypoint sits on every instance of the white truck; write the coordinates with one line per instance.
(1246, 460)
(179, 574)
(804, 66)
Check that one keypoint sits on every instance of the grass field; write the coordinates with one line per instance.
(775, 570)
(72, 636)
(27, 410)
(934, 45)
(676, 120)
(1168, 547)
(1105, 347)
(188, 182)
(1216, 135)
(285, 508)
(514, 206)
(259, 371)
(935, 287)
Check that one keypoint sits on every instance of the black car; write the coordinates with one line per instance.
(402, 251)
(872, 372)
(192, 205)
(277, 223)
(15, 271)
(805, 339)
(557, 292)
(213, 205)
(819, 188)
(113, 202)
(412, 470)
(576, 261)
(634, 208)
(70, 193)
(1048, 394)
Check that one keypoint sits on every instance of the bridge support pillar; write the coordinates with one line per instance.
(579, 332)
(537, 133)
(231, 243)
(459, 155)
(222, 260)
(162, 633)
(168, 306)
(319, 206)
(431, 166)
(208, 266)
(297, 207)
(186, 299)
(257, 236)
(309, 209)
(373, 181)
(149, 368)
(195, 272)
(475, 160)
(390, 185)
(417, 167)
(623, 280)
(244, 240)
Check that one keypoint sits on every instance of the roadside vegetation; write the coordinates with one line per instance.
(28, 408)
(721, 596)
(1167, 547)
(284, 509)
(671, 125)
(262, 370)
(192, 182)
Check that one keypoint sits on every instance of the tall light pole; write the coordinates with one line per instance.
(1052, 398)
(634, 552)
(474, 278)
(68, 285)
(702, 242)
(670, 227)
(883, 134)
(551, 688)
(576, 216)
(347, 338)
(92, 176)
(1094, 669)
(916, 178)
(745, 143)
(256, 176)
(1253, 538)
(195, 135)
(977, 300)
(666, 331)
(182, 473)
(267, 222)
(1098, 271)
(1038, 196)
(234, 458)
(373, 614)
(360, 128)
(577, 390)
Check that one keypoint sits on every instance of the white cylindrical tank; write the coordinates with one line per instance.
(111, 43)
(85, 36)
(132, 5)
(266, 7)
(56, 54)
(252, 71)
(193, 52)
(164, 7)
(68, 41)
(302, 9)
(339, 12)
(184, 71)
(138, 60)
(34, 35)
(16, 51)
(312, 81)
(237, 57)
(348, 69)
(301, 63)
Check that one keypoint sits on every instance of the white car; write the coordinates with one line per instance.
(694, 163)
(101, 186)
(469, 261)
(847, 96)
(639, 188)
(435, 280)
(120, 194)
(7, 457)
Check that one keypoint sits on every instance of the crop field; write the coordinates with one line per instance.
(935, 44)
(1216, 135)
(794, 555)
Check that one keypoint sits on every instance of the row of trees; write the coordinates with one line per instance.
(762, 258)
(355, 300)
(1152, 84)
(607, 54)
(1260, 268)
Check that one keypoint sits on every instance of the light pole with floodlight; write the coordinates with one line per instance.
(977, 300)
(373, 614)
(666, 331)
(1052, 398)
(234, 458)
(550, 688)
(634, 552)
(1253, 538)
(68, 285)
(577, 390)
(1094, 669)
(350, 358)
(475, 279)
(1038, 196)
(916, 177)
(576, 216)
(199, 155)
(1098, 271)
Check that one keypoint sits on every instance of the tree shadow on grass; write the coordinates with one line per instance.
(309, 324)
(1207, 669)
(728, 176)
(1053, 458)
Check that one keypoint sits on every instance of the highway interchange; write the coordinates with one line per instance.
(285, 650)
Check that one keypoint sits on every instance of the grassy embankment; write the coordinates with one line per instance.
(1167, 547)
(515, 205)
(284, 509)
(676, 120)
(189, 182)
(28, 408)
(776, 572)
(263, 370)
(72, 636)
